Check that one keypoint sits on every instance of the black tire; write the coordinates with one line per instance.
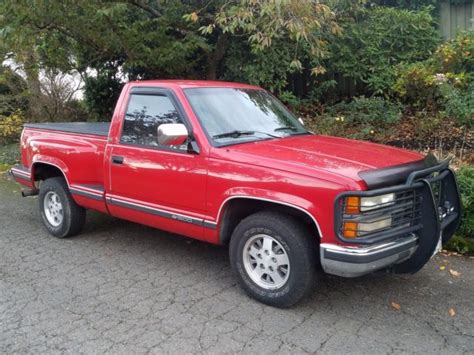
(299, 245)
(73, 215)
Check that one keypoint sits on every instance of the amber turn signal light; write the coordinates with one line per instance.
(350, 230)
(352, 205)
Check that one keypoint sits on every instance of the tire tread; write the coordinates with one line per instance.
(296, 234)
(74, 215)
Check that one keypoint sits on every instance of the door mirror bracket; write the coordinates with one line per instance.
(193, 147)
(172, 134)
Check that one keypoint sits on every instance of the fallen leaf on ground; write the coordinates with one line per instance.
(454, 273)
(395, 306)
(452, 312)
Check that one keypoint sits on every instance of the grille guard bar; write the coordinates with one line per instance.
(431, 224)
(421, 182)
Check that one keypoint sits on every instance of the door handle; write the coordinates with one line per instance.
(117, 160)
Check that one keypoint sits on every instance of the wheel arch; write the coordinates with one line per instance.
(236, 208)
(42, 170)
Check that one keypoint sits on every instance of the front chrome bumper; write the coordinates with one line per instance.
(356, 261)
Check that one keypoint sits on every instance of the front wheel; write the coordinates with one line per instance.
(61, 216)
(274, 258)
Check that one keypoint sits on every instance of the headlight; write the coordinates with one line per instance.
(355, 204)
(358, 224)
(371, 203)
(354, 229)
(372, 226)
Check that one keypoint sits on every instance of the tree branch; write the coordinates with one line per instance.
(146, 8)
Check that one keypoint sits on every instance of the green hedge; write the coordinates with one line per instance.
(9, 155)
(444, 82)
(463, 241)
(466, 186)
(376, 39)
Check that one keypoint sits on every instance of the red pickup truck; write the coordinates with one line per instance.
(228, 164)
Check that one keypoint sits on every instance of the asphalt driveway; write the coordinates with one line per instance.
(123, 288)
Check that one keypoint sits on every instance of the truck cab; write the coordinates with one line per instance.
(227, 163)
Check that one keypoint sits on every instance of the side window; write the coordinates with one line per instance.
(144, 114)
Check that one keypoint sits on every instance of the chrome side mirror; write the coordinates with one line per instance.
(172, 134)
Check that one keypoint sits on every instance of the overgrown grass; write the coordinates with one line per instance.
(9, 155)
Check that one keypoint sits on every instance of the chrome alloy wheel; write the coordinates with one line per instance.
(266, 261)
(53, 208)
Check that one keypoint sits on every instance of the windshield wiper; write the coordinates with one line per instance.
(286, 128)
(293, 129)
(239, 133)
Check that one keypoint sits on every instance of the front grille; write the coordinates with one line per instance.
(409, 212)
(403, 212)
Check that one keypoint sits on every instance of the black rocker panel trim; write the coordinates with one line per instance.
(161, 213)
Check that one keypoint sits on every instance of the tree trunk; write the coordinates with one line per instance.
(30, 65)
(214, 58)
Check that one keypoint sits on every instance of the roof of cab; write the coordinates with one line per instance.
(186, 84)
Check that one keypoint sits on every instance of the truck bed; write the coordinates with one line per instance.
(91, 128)
(75, 148)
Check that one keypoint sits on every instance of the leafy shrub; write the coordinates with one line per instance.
(462, 242)
(376, 39)
(268, 69)
(361, 118)
(11, 127)
(373, 41)
(444, 82)
(458, 103)
(466, 187)
(420, 85)
(410, 4)
(13, 92)
(367, 111)
(415, 84)
(9, 155)
(101, 93)
(457, 55)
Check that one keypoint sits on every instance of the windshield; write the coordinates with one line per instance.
(231, 115)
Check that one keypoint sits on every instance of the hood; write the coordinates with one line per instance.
(339, 156)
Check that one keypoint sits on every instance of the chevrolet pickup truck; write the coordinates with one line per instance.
(227, 163)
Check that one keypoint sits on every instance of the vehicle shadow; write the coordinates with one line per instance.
(330, 291)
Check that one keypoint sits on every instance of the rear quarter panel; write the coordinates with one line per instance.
(79, 156)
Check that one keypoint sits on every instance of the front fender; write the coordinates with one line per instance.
(299, 203)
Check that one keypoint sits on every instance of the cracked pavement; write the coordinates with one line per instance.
(122, 288)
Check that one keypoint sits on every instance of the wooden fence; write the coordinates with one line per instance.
(455, 16)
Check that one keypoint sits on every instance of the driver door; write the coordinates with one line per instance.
(149, 183)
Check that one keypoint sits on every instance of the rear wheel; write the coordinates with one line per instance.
(274, 258)
(61, 216)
